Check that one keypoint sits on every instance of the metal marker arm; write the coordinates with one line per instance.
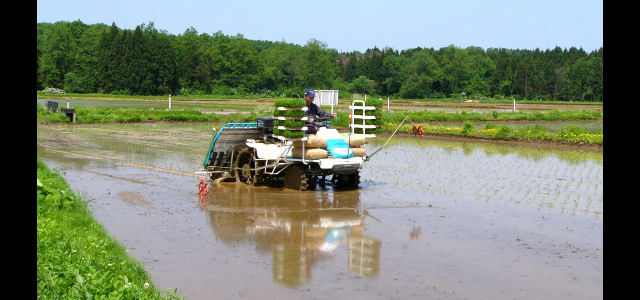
(385, 144)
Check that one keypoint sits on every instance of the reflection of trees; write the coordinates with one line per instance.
(300, 229)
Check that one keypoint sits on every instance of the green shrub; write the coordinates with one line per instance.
(373, 102)
(536, 129)
(570, 133)
(504, 132)
(467, 128)
(220, 90)
(52, 91)
(490, 125)
(191, 91)
(538, 116)
(121, 92)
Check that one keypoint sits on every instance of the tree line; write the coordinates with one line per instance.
(97, 58)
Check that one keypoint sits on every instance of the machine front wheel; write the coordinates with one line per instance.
(296, 178)
(243, 167)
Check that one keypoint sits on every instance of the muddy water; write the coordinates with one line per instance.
(432, 219)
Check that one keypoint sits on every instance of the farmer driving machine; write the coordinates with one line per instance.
(251, 153)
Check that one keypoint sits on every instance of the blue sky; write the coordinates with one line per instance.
(357, 25)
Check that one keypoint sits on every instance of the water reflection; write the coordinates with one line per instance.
(300, 229)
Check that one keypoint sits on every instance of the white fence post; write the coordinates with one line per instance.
(169, 101)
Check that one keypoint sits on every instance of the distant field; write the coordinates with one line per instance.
(248, 103)
(556, 122)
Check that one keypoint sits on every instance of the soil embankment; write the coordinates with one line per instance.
(543, 144)
(501, 106)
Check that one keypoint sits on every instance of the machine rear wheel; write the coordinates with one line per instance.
(346, 181)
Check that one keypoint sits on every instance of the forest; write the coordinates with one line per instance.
(98, 58)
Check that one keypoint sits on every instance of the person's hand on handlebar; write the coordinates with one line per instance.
(333, 116)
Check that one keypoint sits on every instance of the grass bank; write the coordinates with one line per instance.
(86, 114)
(430, 116)
(76, 257)
(571, 134)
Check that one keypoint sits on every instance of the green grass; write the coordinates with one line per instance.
(492, 131)
(552, 115)
(76, 257)
(132, 115)
(570, 134)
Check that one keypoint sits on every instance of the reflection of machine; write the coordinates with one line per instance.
(250, 153)
(299, 233)
(364, 255)
(334, 237)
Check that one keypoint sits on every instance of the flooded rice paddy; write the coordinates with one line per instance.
(432, 219)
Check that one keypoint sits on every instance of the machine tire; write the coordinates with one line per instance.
(347, 181)
(243, 165)
(296, 178)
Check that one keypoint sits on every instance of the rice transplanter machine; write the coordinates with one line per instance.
(251, 153)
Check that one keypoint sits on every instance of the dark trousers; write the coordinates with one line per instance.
(311, 129)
